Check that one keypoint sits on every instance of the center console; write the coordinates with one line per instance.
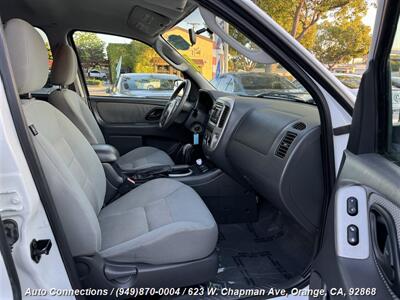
(219, 116)
(176, 172)
(121, 181)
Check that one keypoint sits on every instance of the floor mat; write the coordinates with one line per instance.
(259, 255)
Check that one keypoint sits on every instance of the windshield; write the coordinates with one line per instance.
(260, 81)
(227, 69)
(337, 33)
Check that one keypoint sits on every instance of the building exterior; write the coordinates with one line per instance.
(199, 55)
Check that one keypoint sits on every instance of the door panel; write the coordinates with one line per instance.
(374, 182)
(128, 123)
(117, 112)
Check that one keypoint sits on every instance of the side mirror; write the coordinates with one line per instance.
(192, 36)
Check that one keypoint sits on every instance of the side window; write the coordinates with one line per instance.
(122, 67)
(48, 88)
(394, 64)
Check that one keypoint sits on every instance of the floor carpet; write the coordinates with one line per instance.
(264, 254)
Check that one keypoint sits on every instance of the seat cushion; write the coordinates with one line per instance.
(161, 222)
(144, 157)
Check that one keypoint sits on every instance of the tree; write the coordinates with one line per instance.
(236, 60)
(90, 49)
(300, 17)
(137, 57)
(114, 52)
(239, 62)
(144, 56)
(341, 41)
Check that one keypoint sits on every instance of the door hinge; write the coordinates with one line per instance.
(11, 232)
(39, 248)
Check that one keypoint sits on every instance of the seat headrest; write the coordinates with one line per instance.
(65, 65)
(28, 54)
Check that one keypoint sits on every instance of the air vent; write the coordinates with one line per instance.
(285, 143)
(224, 115)
(299, 126)
(216, 112)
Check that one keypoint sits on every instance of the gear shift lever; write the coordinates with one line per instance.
(186, 154)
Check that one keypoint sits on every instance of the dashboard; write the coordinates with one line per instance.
(271, 145)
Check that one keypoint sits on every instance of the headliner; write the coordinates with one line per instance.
(140, 19)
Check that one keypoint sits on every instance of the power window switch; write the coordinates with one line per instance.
(352, 206)
(352, 235)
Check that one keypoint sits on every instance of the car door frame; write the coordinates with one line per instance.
(371, 177)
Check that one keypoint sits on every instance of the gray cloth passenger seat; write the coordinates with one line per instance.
(63, 73)
(161, 230)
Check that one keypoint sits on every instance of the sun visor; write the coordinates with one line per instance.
(147, 21)
(214, 24)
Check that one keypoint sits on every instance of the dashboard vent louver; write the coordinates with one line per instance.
(224, 115)
(216, 111)
(285, 143)
(299, 126)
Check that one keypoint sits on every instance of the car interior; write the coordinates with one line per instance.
(208, 188)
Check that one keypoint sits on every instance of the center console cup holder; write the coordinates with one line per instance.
(180, 171)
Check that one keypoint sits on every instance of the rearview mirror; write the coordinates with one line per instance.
(192, 36)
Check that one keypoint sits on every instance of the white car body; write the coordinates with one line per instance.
(97, 74)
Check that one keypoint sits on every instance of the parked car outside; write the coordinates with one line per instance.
(396, 81)
(258, 83)
(146, 85)
(353, 81)
(97, 74)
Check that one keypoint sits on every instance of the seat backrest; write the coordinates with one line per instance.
(73, 171)
(63, 73)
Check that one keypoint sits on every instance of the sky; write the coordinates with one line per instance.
(369, 19)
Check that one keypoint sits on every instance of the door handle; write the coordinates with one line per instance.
(385, 245)
(154, 114)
